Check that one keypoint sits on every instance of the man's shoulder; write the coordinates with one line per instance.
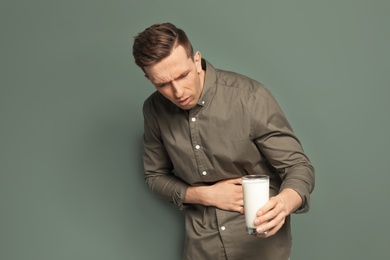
(231, 79)
(157, 104)
(154, 99)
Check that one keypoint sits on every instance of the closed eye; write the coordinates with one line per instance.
(182, 76)
(161, 85)
(185, 74)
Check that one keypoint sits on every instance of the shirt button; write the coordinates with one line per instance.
(204, 172)
(193, 119)
(197, 147)
(223, 228)
(203, 102)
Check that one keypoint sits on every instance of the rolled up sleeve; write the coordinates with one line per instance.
(158, 167)
(277, 142)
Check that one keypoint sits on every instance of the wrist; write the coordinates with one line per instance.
(196, 195)
(291, 199)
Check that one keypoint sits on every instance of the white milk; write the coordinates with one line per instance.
(256, 194)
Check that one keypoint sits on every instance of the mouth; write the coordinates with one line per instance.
(184, 101)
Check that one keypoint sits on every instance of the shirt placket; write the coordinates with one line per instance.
(197, 145)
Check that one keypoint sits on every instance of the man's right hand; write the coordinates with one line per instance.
(225, 195)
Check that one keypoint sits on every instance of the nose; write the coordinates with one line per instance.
(177, 90)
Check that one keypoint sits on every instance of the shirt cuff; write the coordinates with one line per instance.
(179, 194)
(303, 192)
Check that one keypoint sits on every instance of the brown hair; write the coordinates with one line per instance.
(157, 42)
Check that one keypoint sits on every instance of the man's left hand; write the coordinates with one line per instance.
(272, 215)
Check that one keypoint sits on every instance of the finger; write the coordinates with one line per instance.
(271, 226)
(266, 208)
(272, 231)
(267, 217)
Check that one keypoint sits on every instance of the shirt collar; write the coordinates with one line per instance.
(209, 83)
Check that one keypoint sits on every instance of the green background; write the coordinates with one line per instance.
(71, 183)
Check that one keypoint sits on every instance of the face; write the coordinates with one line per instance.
(178, 77)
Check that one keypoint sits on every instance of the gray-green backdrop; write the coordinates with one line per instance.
(71, 180)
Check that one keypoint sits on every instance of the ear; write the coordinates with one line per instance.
(198, 61)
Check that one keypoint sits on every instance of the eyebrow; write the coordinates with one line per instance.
(180, 76)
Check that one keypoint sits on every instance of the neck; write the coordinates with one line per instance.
(202, 75)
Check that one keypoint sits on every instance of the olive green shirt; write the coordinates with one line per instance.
(237, 128)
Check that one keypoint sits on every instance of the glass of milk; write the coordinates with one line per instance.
(256, 194)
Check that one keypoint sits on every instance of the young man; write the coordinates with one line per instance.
(206, 128)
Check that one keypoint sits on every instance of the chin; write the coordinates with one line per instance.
(187, 107)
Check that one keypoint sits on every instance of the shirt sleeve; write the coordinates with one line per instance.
(275, 139)
(158, 167)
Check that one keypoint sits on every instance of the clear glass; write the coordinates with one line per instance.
(256, 193)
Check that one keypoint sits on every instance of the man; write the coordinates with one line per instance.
(206, 128)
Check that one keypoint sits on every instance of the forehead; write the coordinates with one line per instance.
(171, 67)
